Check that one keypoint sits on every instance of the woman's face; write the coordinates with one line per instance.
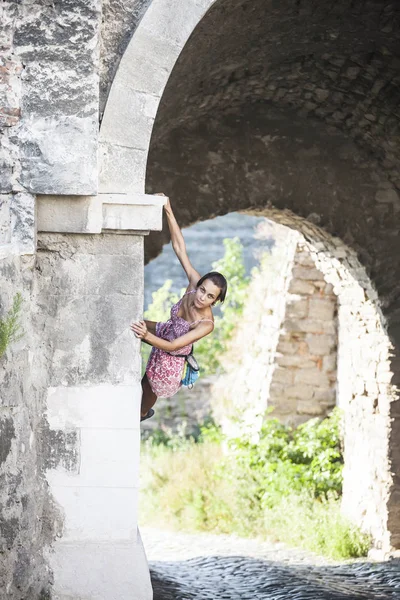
(206, 294)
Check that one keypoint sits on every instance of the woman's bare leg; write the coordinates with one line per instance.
(148, 397)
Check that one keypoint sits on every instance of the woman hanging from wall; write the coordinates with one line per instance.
(191, 319)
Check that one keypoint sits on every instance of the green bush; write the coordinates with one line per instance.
(285, 487)
(209, 349)
(286, 460)
(10, 327)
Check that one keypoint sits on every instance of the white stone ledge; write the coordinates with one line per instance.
(124, 212)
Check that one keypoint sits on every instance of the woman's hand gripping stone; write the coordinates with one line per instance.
(139, 328)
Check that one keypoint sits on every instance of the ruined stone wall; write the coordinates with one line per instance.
(27, 515)
(26, 511)
(240, 395)
(304, 380)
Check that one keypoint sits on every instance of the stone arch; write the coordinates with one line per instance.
(294, 114)
(136, 91)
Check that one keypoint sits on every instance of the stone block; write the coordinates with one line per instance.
(145, 65)
(325, 395)
(6, 178)
(22, 211)
(329, 363)
(59, 155)
(174, 22)
(122, 170)
(310, 408)
(321, 309)
(287, 347)
(297, 309)
(5, 219)
(69, 214)
(132, 212)
(106, 460)
(89, 569)
(284, 376)
(297, 286)
(313, 377)
(304, 259)
(295, 360)
(320, 344)
(129, 121)
(305, 273)
(104, 514)
(92, 214)
(304, 326)
(97, 406)
(389, 196)
(300, 390)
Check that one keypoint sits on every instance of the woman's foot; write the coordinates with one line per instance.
(149, 414)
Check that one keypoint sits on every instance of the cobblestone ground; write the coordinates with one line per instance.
(209, 567)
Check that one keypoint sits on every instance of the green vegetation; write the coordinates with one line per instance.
(209, 350)
(10, 327)
(286, 486)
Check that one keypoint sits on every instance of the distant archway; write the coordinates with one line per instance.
(288, 110)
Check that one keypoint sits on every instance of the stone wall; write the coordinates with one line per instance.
(50, 96)
(27, 513)
(304, 380)
(16, 204)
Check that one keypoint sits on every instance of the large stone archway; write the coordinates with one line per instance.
(282, 108)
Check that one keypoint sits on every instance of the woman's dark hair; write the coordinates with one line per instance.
(218, 280)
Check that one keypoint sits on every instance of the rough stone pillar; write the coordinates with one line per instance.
(89, 289)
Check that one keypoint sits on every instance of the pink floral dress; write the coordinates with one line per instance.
(164, 371)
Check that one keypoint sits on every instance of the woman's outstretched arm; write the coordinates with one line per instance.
(179, 246)
(140, 330)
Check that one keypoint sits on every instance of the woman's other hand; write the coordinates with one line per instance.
(139, 328)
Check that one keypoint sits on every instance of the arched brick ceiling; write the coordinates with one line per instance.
(293, 105)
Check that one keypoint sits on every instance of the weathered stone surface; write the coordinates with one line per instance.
(91, 307)
(57, 133)
(22, 212)
(321, 344)
(91, 288)
(5, 225)
(23, 497)
(322, 309)
(118, 24)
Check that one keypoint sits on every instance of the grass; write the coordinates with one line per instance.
(197, 487)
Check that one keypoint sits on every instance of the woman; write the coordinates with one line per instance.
(191, 319)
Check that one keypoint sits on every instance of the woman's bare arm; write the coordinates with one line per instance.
(179, 246)
(151, 326)
(192, 336)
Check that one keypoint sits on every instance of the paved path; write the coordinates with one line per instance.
(210, 567)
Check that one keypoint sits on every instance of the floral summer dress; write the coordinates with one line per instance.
(164, 371)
